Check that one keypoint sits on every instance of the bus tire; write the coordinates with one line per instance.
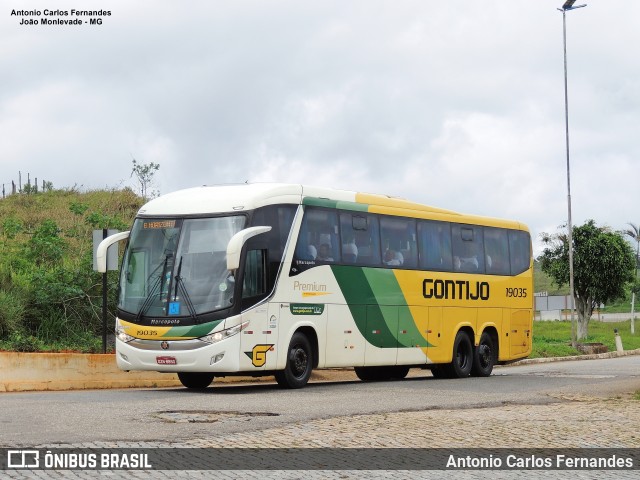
(440, 371)
(399, 372)
(373, 374)
(195, 380)
(367, 374)
(462, 356)
(299, 365)
(484, 357)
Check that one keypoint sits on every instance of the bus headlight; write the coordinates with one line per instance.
(121, 335)
(223, 334)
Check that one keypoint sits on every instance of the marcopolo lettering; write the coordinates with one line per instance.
(455, 289)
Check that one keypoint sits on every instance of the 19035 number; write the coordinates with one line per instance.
(517, 292)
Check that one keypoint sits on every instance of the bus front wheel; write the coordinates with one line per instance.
(297, 371)
(195, 380)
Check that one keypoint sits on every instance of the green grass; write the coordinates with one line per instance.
(622, 306)
(553, 338)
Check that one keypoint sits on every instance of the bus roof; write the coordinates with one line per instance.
(244, 197)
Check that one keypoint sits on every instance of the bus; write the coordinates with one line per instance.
(280, 279)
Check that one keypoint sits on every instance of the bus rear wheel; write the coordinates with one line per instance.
(195, 380)
(462, 356)
(484, 357)
(299, 365)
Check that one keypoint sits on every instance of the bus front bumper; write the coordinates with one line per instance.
(179, 355)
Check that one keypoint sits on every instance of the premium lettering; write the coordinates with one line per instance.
(309, 287)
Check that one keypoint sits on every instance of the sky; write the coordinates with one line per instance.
(457, 104)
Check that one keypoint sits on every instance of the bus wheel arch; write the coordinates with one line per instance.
(301, 358)
(485, 355)
(311, 334)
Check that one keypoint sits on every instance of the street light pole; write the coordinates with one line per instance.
(568, 5)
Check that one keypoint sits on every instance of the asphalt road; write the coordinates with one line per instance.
(177, 414)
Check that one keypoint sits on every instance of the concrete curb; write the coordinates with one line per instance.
(594, 356)
(23, 372)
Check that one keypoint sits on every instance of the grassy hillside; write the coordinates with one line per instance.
(544, 283)
(50, 297)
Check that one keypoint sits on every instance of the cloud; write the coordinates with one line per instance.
(456, 104)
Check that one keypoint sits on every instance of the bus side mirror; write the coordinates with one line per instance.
(234, 247)
(101, 252)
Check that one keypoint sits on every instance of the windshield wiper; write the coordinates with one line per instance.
(156, 285)
(180, 285)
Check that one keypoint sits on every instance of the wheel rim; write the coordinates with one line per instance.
(484, 355)
(462, 358)
(299, 361)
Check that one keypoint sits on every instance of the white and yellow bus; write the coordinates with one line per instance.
(279, 279)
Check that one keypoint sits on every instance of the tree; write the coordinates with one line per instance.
(634, 233)
(603, 264)
(144, 173)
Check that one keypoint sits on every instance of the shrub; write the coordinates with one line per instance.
(11, 313)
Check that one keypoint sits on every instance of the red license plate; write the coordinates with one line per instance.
(166, 361)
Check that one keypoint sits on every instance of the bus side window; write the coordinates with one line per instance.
(360, 236)
(435, 246)
(496, 251)
(520, 251)
(398, 241)
(468, 249)
(318, 239)
(254, 285)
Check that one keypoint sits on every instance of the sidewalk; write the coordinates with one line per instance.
(23, 372)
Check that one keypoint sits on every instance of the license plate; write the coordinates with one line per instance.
(166, 361)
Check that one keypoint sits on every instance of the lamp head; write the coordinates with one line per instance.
(568, 5)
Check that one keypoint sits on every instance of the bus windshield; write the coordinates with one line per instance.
(177, 267)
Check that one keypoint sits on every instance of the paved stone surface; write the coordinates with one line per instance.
(575, 422)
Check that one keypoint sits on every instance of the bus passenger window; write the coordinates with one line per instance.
(360, 238)
(496, 251)
(317, 241)
(468, 250)
(324, 253)
(398, 241)
(520, 251)
(435, 246)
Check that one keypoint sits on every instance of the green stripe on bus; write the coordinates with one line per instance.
(343, 205)
(387, 291)
(387, 312)
(358, 293)
(192, 331)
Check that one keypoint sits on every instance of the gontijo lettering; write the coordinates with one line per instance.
(455, 289)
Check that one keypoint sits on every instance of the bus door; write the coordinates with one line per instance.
(260, 338)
